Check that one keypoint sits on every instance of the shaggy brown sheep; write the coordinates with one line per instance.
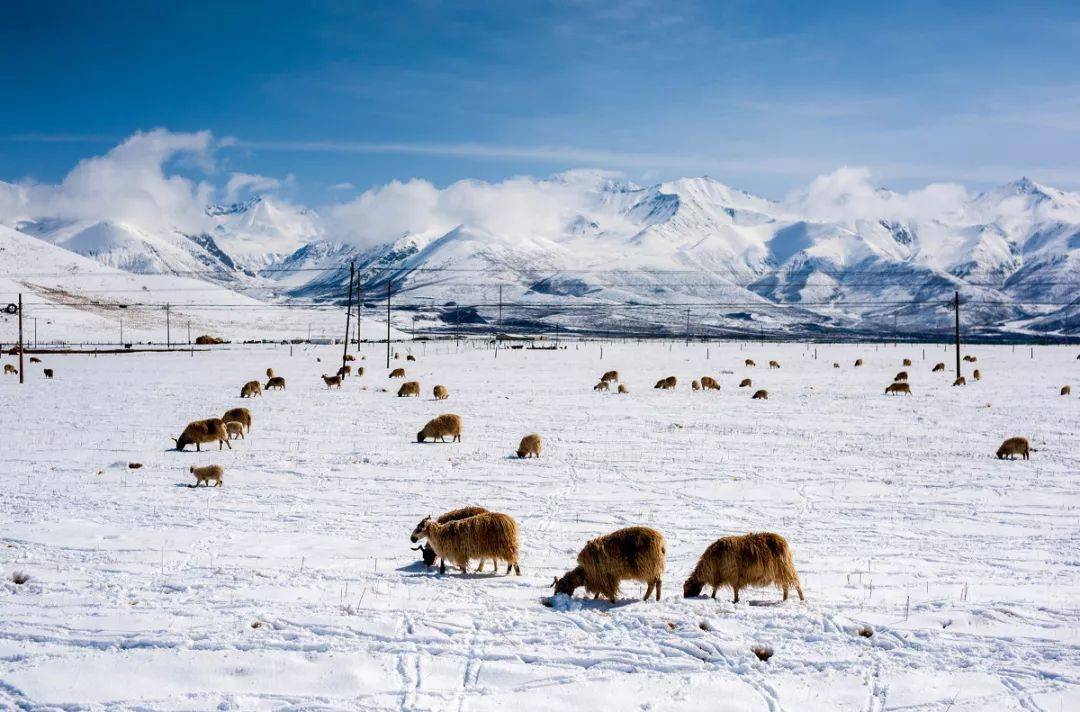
(207, 474)
(240, 415)
(429, 554)
(634, 553)
(409, 388)
(198, 432)
(758, 559)
(898, 388)
(489, 535)
(530, 446)
(251, 389)
(1013, 447)
(440, 427)
(440, 393)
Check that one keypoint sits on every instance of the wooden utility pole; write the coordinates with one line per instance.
(687, 327)
(348, 314)
(388, 322)
(168, 329)
(956, 307)
(359, 306)
(22, 370)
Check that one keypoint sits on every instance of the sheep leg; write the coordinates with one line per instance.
(218, 483)
(198, 448)
(442, 566)
(714, 593)
(227, 443)
(480, 568)
(658, 584)
(736, 589)
(517, 569)
(648, 591)
(785, 591)
(798, 589)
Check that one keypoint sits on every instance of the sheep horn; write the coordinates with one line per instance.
(417, 548)
(555, 582)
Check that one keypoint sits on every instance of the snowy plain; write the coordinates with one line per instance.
(937, 577)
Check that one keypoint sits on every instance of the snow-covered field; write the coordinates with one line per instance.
(294, 586)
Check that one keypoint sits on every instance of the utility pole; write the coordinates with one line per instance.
(359, 306)
(189, 332)
(121, 332)
(688, 327)
(348, 313)
(22, 370)
(500, 307)
(388, 280)
(956, 306)
(168, 329)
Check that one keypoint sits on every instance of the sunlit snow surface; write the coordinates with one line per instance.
(294, 587)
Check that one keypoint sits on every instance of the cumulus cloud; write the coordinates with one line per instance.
(847, 195)
(248, 183)
(520, 206)
(129, 183)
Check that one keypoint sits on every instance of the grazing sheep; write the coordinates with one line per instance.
(206, 475)
(251, 389)
(275, 383)
(332, 381)
(976, 375)
(623, 389)
(1066, 390)
(35, 359)
(269, 373)
(746, 383)
(610, 376)
(774, 364)
(695, 385)
(530, 446)
(397, 373)
(758, 559)
(602, 386)
(397, 355)
(970, 359)
(906, 362)
(428, 553)
(198, 432)
(440, 393)
(8, 368)
(898, 388)
(410, 357)
(409, 388)
(835, 365)
(240, 415)
(709, 383)
(666, 383)
(938, 367)
(749, 363)
(634, 554)
(440, 427)
(235, 429)
(858, 362)
(350, 357)
(344, 371)
(902, 376)
(488, 535)
(1013, 447)
(961, 381)
(48, 372)
(761, 395)
(359, 371)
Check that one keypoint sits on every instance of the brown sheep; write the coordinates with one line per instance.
(350, 357)
(489, 535)
(1013, 447)
(961, 381)
(634, 554)
(440, 427)
(269, 373)
(409, 388)
(359, 371)
(235, 429)
(970, 359)
(758, 559)
(749, 363)
(858, 362)
(206, 475)
(198, 432)
(344, 371)
(332, 381)
(1066, 390)
(666, 383)
(835, 365)
(35, 359)
(902, 376)
(275, 383)
(938, 367)
(440, 393)
(898, 388)
(530, 446)
(709, 383)
(601, 386)
(410, 357)
(695, 385)
(610, 376)
(453, 515)
(397, 355)
(397, 373)
(251, 389)
(746, 383)
(623, 389)
(774, 364)
(976, 375)
(906, 362)
(48, 372)
(240, 415)
(761, 395)
(8, 368)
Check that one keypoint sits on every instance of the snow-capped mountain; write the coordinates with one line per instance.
(594, 252)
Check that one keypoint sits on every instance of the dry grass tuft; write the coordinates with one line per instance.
(19, 578)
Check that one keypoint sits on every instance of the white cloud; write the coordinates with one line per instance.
(129, 183)
(250, 183)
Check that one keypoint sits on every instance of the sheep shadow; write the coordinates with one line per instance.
(589, 604)
(417, 567)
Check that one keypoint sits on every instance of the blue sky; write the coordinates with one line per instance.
(762, 95)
